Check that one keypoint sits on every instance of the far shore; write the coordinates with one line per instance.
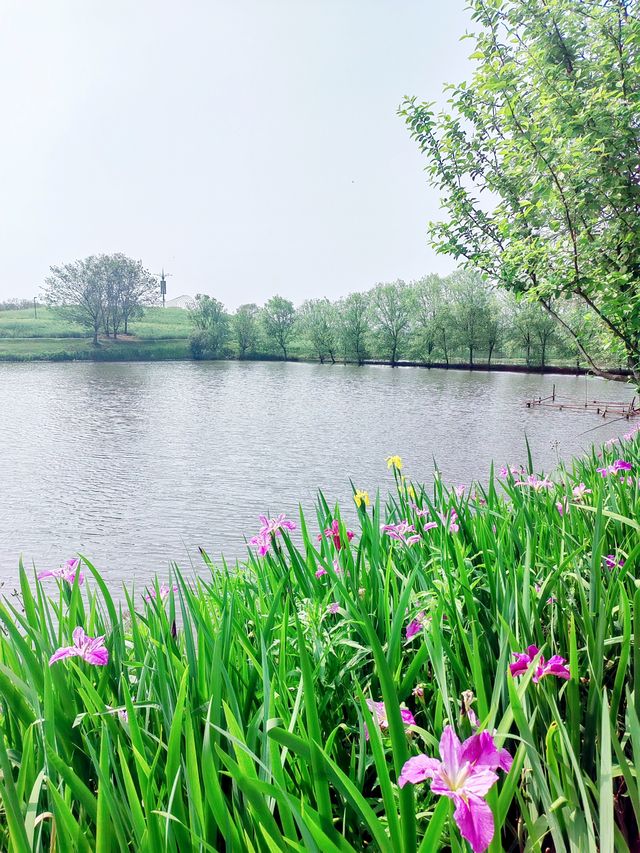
(176, 350)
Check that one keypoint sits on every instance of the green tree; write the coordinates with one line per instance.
(392, 310)
(537, 158)
(319, 322)
(79, 288)
(129, 287)
(245, 328)
(210, 327)
(432, 317)
(353, 314)
(278, 318)
(470, 309)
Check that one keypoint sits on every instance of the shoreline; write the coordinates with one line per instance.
(109, 356)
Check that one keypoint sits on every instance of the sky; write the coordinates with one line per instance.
(249, 147)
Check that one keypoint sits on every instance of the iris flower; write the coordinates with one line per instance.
(333, 532)
(402, 532)
(67, 572)
(535, 483)
(379, 711)
(164, 591)
(554, 666)
(394, 462)
(612, 562)
(361, 497)
(415, 626)
(270, 527)
(91, 649)
(464, 773)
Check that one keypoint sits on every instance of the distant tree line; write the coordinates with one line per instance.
(453, 319)
(102, 293)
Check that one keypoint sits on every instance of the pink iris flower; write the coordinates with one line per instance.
(554, 666)
(459, 490)
(450, 519)
(535, 483)
(333, 532)
(580, 491)
(562, 506)
(415, 626)
(333, 607)
(67, 572)
(612, 562)
(91, 649)
(430, 525)
(270, 527)
(164, 591)
(320, 572)
(464, 773)
(402, 532)
(380, 713)
(615, 468)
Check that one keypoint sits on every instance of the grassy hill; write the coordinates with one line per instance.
(161, 333)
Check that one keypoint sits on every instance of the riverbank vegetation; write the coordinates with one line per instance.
(299, 700)
(535, 159)
(453, 320)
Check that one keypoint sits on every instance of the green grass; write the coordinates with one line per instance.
(70, 349)
(245, 696)
(51, 323)
(159, 334)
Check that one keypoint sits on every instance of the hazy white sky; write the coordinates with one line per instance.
(249, 146)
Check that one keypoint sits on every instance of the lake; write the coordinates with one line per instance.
(138, 464)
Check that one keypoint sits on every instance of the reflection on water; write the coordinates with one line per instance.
(138, 464)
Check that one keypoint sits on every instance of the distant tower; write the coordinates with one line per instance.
(163, 285)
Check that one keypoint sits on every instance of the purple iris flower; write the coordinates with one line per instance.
(67, 572)
(91, 649)
(464, 773)
(379, 711)
(554, 666)
(402, 532)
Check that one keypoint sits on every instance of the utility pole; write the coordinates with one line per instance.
(35, 308)
(163, 284)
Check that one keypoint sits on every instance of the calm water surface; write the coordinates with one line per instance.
(135, 465)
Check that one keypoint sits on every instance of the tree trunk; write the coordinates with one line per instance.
(597, 370)
(543, 352)
(444, 346)
(528, 352)
(394, 350)
(491, 346)
(470, 355)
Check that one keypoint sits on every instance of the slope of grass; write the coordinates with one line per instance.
(71, 349)
(231, 713)
(54, 323)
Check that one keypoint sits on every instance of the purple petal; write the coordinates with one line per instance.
(79, 636)
(480, 781)
(414, 627)
(407, 717)
(449, 751)
(63, 652)
(97, 657)
(419, 768)
(480, 751)
(475, 822)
